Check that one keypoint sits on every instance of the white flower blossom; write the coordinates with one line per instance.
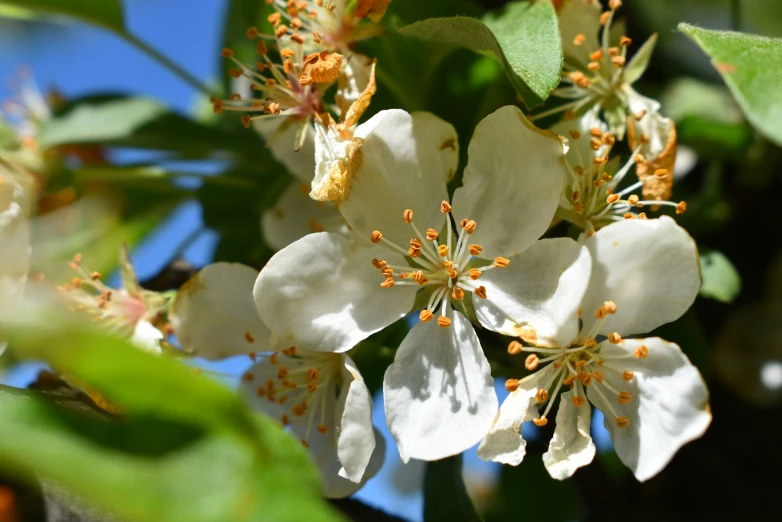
(643, 274)
(324, 292)
(598, 78)
(321, 397)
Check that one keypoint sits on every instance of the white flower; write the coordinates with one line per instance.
(324, 292)
(598, 79)
(321, 397)
(643, 274)
(128, 311)
(593, 195)
(14, 235)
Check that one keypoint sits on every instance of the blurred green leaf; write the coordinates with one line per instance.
(752, 68)
(445, 497)
(720, 279)
(523, 37)
(147, 468)
(106, 13)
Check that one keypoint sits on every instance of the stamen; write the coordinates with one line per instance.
(431, 234)
(512, 385)
(376, 236)
(641, 352)
(541, 396)
(622, 421)
(501, 262)
(407, 216)
(425, 316)
(480, 292)
(578, 401)
(442, 250)
(627, 376)
(443, 321)
(615, 338)
(624, 397)
(457, 294)
(515, 348)
(475, 273)
(531, 362)
(445, 207)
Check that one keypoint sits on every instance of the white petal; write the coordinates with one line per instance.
(571, 447)
(301, 163)
(512, 182)
(649, 268)
(356, 439)
(579, 17)
(503, 443)
(439, 393)
(214, 315)
(390, 173)
(336, 486)
(147, 337)
(432, 132)
(540, 291)
(322, 293)
(669, 406)
(296, 214)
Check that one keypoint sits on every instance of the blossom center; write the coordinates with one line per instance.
(442, 265)
(578, 366)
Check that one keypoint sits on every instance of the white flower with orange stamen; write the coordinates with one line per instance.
(326, 292)
(129, 311)
(598, 78)
(643, 274)
(321, 397)
(596, 192)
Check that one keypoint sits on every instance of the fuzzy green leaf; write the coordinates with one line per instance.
(106, 13)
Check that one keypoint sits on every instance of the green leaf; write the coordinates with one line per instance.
(153, 469)
(106, 13)
(720, 279)
(445, 497)
(752, 68)
(523, 38)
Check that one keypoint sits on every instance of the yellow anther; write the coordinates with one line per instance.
(95, 276)
(624, 397)
(443, 321)
(641, 352)
(633, 199)
(681, 207)
(281, 30)
(580, 364)
(407, 216)
(661, 173)
(604, 17)
(273, 358)
(452, 273)
(442, 250)
(609, 307)
(586, 380)
(299, 40)
(618, 61)
(388, 283)
(305, 443)
(414, 252)
(598, 375)
(515, 348)
(614, 4)
(595, 144)
(285, 419)
(76, 282)
(570, 380)
(590, 343)
(77, 258)
(376, 236)
(313, 374)
(609, 139)
(596, 133)
(457, 294)
(226, 52)
(540, 422)
(501, 262)
(289, 351)
(579, 39)
(379, 263)
(445, 207)
(642, 215)
(628, 376)
(425, 316)
(312, 387)
(597, 55)
(282, 400)
(419, 277)
(512, 385)
(531, 362)
(613, 51)
(261, 48)
(475, 250)
(613, 198)
(415, 243)
(578, 401)
(625, 41)
(322, 428)
(480, 292)
(249, 337)
(469, 227)
(615, 338)
(541, 396)
(387, 271)
(629, 215)
(622, 421)
(593, 66)
(475, 273)
(431, 234)
(463, 223)
(282, 372)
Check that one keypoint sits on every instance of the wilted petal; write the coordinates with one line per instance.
(356, 435)
(439, 394)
